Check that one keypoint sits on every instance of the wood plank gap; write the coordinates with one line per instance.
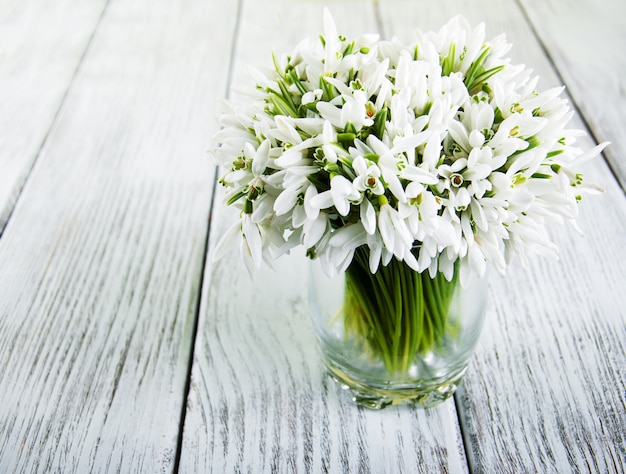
(205, 256)
(469, 457)
(379, 20)
(55, 117)
(562, 80)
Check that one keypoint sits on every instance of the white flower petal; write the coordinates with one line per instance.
(253, 240)
(261, 158)
(285, 125)
(311, 211)
(223, 245)
(322, 200)
(286, 200)
(376, 249)
(411, 261)
(298, 216)
(368, 216)
(313, 230)
(330, 113)
(459, 134)
(290, 158)
(415, 173)
(263, 207)
(350, 236)
(478, 215)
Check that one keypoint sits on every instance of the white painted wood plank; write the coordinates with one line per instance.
(41, 44)
(102, 259)
(586, 40)
(259, 398)
(546, 391)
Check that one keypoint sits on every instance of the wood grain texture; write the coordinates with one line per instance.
(547, 389)
(260, 400)
(102, 259)
(41, 45)
(586, 40)
(101, 263)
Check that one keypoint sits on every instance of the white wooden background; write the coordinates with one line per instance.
(123, 348)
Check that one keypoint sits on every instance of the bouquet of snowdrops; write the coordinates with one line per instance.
(434, 157)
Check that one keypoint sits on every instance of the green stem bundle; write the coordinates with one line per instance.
(398, 312)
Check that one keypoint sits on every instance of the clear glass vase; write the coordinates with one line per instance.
(397, 336)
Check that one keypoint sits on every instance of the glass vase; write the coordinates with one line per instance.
(396, 336)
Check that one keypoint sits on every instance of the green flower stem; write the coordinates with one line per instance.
(397, 313)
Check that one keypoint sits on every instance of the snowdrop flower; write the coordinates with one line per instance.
(311, 97)
(352, 113)
(368, 176)
(251, 246)
(393, 230)
(340, 195)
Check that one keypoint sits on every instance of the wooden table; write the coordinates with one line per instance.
(125, 348)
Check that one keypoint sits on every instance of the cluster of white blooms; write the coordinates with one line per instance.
(431, 152)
